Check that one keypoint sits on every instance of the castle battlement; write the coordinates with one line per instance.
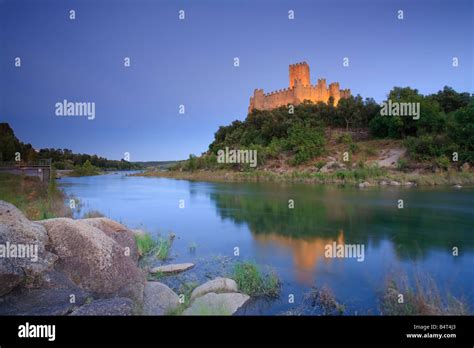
(299, 89)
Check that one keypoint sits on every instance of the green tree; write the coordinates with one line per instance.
(461, 131)
(306, 142)
(450, 100)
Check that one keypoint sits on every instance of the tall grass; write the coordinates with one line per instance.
(419, 297)
(163, 247)
(37, 200)
(160, 247)
(253, 282)
(145, 243)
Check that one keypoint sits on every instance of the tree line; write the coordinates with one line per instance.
(10, 146)
(445, 126)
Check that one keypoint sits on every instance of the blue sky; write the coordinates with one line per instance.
(190, 62)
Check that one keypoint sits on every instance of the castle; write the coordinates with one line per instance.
(300, 89)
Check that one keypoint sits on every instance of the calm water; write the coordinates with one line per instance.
(255, 217)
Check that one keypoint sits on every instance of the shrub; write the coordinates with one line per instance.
(191, 164)
(306, 143)
(423, 148)
(401, 164)
(320, 164)
(461, 132)
(345, 138)
(353, 147)
(443, 162)
(343, 174)
(87, 169)
(370, 151)
(252, 282)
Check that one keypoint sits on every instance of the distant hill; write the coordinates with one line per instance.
(158, 164)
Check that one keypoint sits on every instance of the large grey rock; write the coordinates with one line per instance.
(93, 260)
(158, 299)
(174, 268)
(217, 304)
(113, 306)
(17, 232)
(216, 285)
(363, 184)
(57, 296)
(118, 232)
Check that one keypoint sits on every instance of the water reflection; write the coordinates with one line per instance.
(366, 216)
(306, 252)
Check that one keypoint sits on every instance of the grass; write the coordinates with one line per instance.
(160, 247)
(163, 247)
(253, 282)
(35, 199)
(185, 289)
(145, 243)
(156, 276)
(93, 214)
(420, 297)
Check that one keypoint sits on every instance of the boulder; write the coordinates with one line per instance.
(158, 299)
(93, 260)
(363, 184)
(118, 232)
(174, 268)
(23, 250)
(394, 183)
(217, 285)
(57, 296)
(217, 304)
(111, 306)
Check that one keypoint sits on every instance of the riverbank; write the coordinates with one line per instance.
(35, 199)
(361, 177)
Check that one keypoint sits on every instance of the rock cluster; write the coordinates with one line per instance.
(75, 260)
(90, 267)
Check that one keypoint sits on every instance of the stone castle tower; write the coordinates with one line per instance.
(300, 89)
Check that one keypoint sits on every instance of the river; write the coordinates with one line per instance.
(257, 219)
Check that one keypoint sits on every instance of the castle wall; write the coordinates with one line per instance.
(279, 98)
(300, 89)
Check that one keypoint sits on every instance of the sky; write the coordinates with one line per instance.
(190, 62)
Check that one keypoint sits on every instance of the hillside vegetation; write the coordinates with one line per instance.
(315, 135)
